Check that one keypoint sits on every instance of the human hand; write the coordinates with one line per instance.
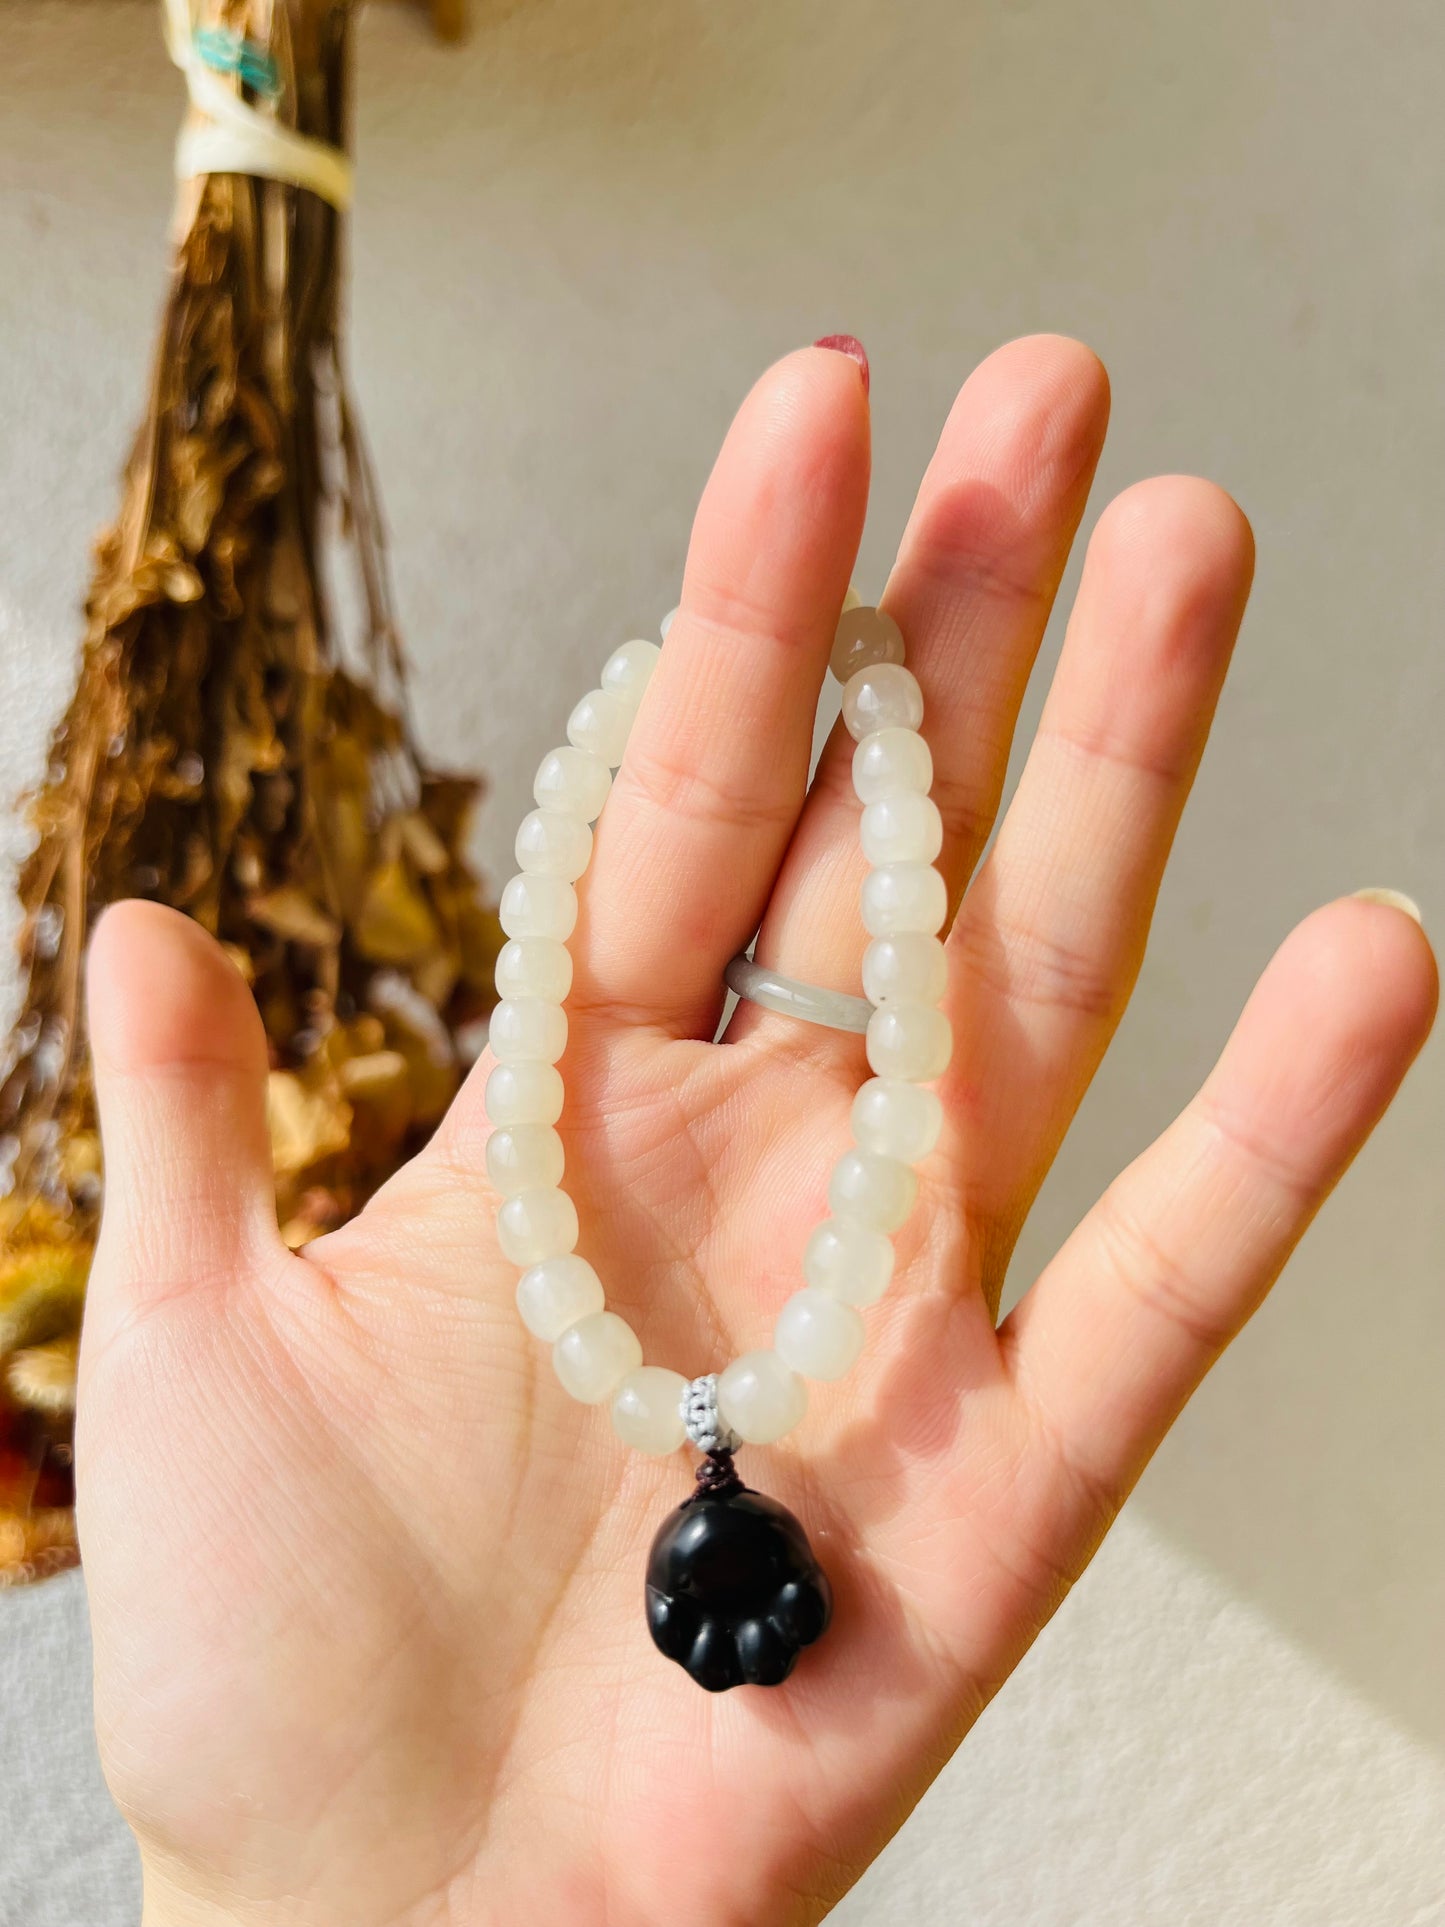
(366, 1586)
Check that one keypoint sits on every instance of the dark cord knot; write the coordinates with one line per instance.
(718, 1475)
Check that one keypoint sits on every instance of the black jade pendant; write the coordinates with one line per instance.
(733, 1590)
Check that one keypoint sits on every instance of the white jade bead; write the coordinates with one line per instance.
(524, 1157)
(527, 1029)
(872, 1189)
(554, 1295)
(534, 906)
(599, 724)
(909, 966)
(759, 1398)
(863, 637)
(849, 1260)
(886, 696)
(891, 760)
(534, 967)
(818, 1335)
(904, 828)
(910, 1041)
(666, 623)
(903, 896)
(573, 781)
(628, 670)
(550, 844)
(647, 1410)
(535, 1225)
(593, 1356)
(897, 1119)
(528, 1093)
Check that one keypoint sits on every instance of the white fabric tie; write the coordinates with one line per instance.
(231, 137)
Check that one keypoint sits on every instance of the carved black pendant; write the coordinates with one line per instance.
(733, 1590)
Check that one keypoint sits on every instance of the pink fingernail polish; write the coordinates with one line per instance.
(848, 345)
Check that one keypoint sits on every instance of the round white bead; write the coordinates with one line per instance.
(550, 844)
(535, 1225)
(554, 1295)
(849, 1260)
(909, 966)
(534, 967)
(864, 637)
(666, 623)
(886, 696)
(599, 724)
(904, 828)
(528, 1093)
(912, 1041)
(593, 1356)
(647, 1410)
(573, 781)
(872, 1189)
(526, 1030)
(897, 1119)
(891, 760)
(759, 1398)
(534, 906)
(903, 896)
(524, 1157)
(628, 670)
(818, 1335)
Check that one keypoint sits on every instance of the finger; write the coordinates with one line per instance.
(1048, 942)
(1112, 1339)
(972, 588)
(717, 763)
(180, 1078)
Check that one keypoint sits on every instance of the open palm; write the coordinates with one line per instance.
(366, 1586)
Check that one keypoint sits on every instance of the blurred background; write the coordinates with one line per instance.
(577, 238)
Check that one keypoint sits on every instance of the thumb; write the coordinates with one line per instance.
(180, 1078)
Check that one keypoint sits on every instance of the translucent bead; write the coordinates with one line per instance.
(864, 637)
(872, 1189)
(526, 1029)
(666, 623)
(909, 966)
(534, 967)
(817, 1335)
(599, 724)
(535, 1225)
(912, 1041)
(891, 760)
(647, 1410)
(897, 1119)
(904, 828)
(534, 906)
(884, 697)
(573, 781)
(849, 1260)
(524, 1157)
(555, 1294)
(550, 844)
(760, 1398)
(628, 670)
(593, 1356)
(903, 896)
(524, 1094)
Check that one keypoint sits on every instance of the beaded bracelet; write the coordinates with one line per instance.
(733, 1588)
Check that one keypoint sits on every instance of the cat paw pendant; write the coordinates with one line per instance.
(734, 1591)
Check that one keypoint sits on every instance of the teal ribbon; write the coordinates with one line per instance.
(225, 52)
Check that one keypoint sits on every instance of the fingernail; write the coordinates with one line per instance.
(848, 345)
(1392, 900)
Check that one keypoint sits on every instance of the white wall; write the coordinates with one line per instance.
(577, 240)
